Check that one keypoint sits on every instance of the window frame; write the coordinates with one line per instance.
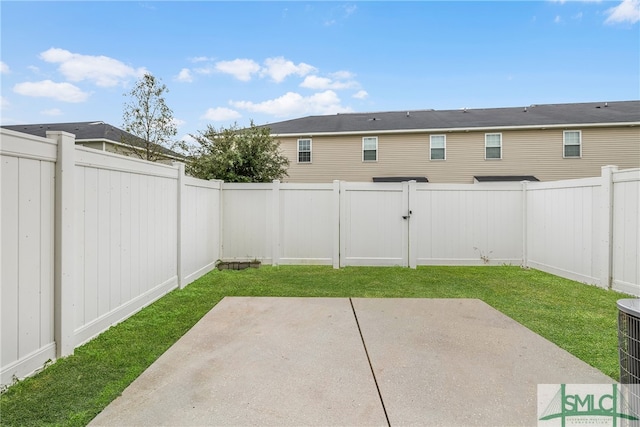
(364, 138)
(486, 146)
(444, 147)
(564, 144)
(310, 150)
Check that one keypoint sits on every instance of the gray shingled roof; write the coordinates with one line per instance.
(592, 113)
(91, 131)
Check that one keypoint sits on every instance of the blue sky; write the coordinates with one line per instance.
(227, 62)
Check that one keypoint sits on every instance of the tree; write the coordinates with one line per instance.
(147, 117)
(237, 155)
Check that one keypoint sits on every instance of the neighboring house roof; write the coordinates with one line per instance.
(533, 116)
(90, 131)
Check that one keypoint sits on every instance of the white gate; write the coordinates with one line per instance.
(375, 222)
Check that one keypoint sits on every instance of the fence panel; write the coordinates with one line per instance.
(564, 230)
(201, 236)
(27, 179)
(308, 216)
(467, 224)
(372, 228)
(126, 237)
(247, 221)
(626, 231)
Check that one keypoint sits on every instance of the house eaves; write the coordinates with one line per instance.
(169, 154)
(463, 129)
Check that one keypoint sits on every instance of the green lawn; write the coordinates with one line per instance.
(577, 317)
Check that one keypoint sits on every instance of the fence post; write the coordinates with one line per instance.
(525, 225)
(220, 221)
(342, 241)
(64, 247)
(275, 223)
(181, 224)
(412, 235)
(607, 224)
(336, 224)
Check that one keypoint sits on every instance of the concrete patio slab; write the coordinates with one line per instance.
(258, 361)
(302, 361)
(459, 362)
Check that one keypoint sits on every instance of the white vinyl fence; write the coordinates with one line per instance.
(89, 238)
(586, 229)
(625, 231)
(353, 223)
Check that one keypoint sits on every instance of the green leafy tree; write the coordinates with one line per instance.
(236, 154)
(149, 120)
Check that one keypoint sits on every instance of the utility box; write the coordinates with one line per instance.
(629, 350)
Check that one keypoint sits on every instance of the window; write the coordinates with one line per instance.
(572, 142)
(370, 149)
(304, 151)
(492, 145)
(438, 145)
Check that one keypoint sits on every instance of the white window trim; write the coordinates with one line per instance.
(564, 144)
(485, 146)
(431, 148)
(310, 150)
(370, 137)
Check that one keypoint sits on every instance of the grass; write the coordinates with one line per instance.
(579, 318)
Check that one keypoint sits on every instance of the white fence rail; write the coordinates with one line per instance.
(88, 237)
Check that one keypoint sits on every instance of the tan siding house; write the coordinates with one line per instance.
(592, 136)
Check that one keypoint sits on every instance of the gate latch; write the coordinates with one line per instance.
(406, 216)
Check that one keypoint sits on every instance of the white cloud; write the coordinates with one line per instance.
(221, 114)
(4, 102)
(4, 68)
(52, 112)
(292, 103)
(241, 69)
(279, 68)
(184, 76)
(627, 11)
(61, 91)
(557, 19)
(361, 94)
(101, 70)
(178, 122)
(321, 83)
(342, 75)
(205, 70)
(200, 59)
